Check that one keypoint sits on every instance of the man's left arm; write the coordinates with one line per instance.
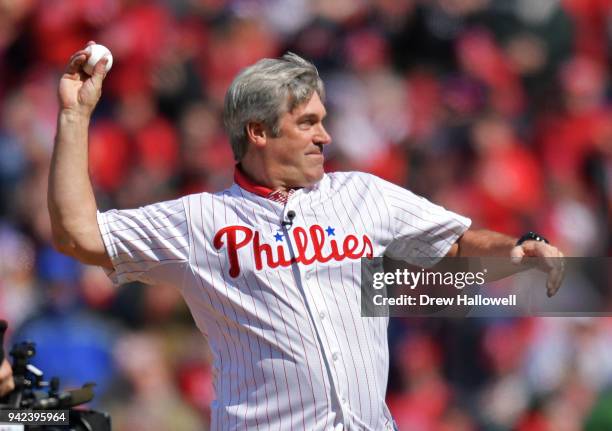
(486, 243)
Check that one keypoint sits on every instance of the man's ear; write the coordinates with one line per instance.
(256, 133)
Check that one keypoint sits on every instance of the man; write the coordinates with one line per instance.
(270, 266)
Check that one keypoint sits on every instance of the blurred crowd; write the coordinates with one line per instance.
(499, 110)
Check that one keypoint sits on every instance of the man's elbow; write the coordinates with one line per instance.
(85, 251)
(63, 244)
(61, 239)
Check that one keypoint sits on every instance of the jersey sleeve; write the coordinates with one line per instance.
(423, 232)
(148, 244)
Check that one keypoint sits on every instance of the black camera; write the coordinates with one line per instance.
(32, 393)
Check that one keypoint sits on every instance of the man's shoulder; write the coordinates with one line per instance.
(224, 197)
(343, 178)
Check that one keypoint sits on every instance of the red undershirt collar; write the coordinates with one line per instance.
(249, 185)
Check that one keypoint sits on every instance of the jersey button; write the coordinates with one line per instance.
(322, 315)
(335, 356)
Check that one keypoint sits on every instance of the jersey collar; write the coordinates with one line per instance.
(249, 185)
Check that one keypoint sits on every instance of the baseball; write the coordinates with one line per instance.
(96, 53)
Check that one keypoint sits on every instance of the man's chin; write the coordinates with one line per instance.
(314, 177)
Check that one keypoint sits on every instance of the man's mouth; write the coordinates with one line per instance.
(318, 152)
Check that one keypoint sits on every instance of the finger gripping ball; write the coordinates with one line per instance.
(96, 53)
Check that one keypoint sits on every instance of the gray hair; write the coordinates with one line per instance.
(265, 91)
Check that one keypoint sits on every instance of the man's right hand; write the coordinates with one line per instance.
(7, 384)
(78, 92)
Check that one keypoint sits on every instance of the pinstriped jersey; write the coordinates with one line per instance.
(278, 302)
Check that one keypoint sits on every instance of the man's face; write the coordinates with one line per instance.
(296, 155)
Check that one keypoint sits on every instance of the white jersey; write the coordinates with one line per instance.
(280, 305)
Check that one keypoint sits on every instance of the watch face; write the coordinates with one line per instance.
(531, 236)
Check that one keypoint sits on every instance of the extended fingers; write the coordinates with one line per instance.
(555, 275)
(549, 254)
(549, 259)
(552, 262)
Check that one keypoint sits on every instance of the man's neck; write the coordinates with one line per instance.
(279, 195)
(258, 174)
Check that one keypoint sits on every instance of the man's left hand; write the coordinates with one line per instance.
(550, 260)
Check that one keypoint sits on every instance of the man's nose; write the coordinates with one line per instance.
(322, 136)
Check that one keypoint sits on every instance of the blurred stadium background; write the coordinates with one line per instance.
(497, 109)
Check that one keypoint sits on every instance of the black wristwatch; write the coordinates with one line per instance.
(531, 236)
